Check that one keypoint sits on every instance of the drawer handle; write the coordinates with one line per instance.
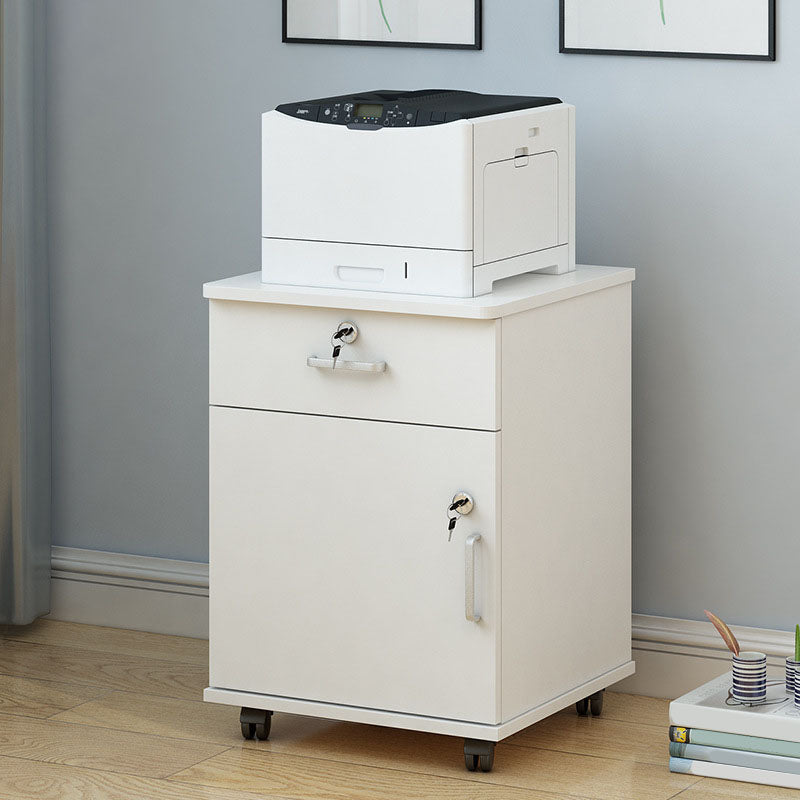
(469, 576)
(338, 363)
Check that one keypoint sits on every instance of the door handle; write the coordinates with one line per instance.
(338, 363)
(469, 578)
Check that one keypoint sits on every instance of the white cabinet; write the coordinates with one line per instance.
(335, 588)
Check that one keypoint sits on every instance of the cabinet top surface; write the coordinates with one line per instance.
(511, 296)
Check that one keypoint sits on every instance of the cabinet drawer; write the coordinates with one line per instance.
(438, 371)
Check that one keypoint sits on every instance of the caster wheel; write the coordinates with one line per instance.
(262, 729)
(248, 730)
(255, 723)
(582, 707)
(596, 703)
(478, 755)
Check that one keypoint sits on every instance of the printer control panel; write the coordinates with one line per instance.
(389, 109)
(367, 115)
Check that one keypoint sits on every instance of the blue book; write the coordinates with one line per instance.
(737, 758)
(710, 769)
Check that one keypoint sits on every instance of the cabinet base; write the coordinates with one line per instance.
(414, 722)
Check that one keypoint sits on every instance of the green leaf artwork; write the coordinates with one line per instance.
(389, 27)
(663, 13)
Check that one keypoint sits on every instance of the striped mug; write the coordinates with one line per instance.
(792, 668)
(750, 677)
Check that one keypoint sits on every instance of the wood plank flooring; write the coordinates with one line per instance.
(107, 714)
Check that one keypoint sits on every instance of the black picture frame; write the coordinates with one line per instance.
(770, 56)
(477, 45)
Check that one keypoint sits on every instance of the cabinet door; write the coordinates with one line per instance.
(332, 578)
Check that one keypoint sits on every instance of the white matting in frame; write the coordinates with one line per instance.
(699, 28)
(402, 23)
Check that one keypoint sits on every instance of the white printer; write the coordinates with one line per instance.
(430, 192)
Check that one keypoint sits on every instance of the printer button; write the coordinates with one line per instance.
(437, 116)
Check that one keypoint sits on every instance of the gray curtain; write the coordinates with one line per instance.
(24, 319)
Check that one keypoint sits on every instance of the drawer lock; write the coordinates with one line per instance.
(346, 333)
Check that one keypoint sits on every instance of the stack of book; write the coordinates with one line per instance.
(712, 736)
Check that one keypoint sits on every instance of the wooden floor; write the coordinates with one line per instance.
(102, 713)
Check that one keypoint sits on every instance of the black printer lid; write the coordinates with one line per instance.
(388, 108)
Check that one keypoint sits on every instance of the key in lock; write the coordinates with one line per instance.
(346, 333)
(461, 505)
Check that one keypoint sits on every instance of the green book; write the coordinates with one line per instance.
(734, 741)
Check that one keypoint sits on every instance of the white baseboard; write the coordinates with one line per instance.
(164, 596)
(117, 590)
(674, 656)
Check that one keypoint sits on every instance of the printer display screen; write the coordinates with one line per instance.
(369, 110)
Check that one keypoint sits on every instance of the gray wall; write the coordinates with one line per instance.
(687, 169)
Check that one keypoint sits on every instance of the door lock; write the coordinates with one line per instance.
(461, 505)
